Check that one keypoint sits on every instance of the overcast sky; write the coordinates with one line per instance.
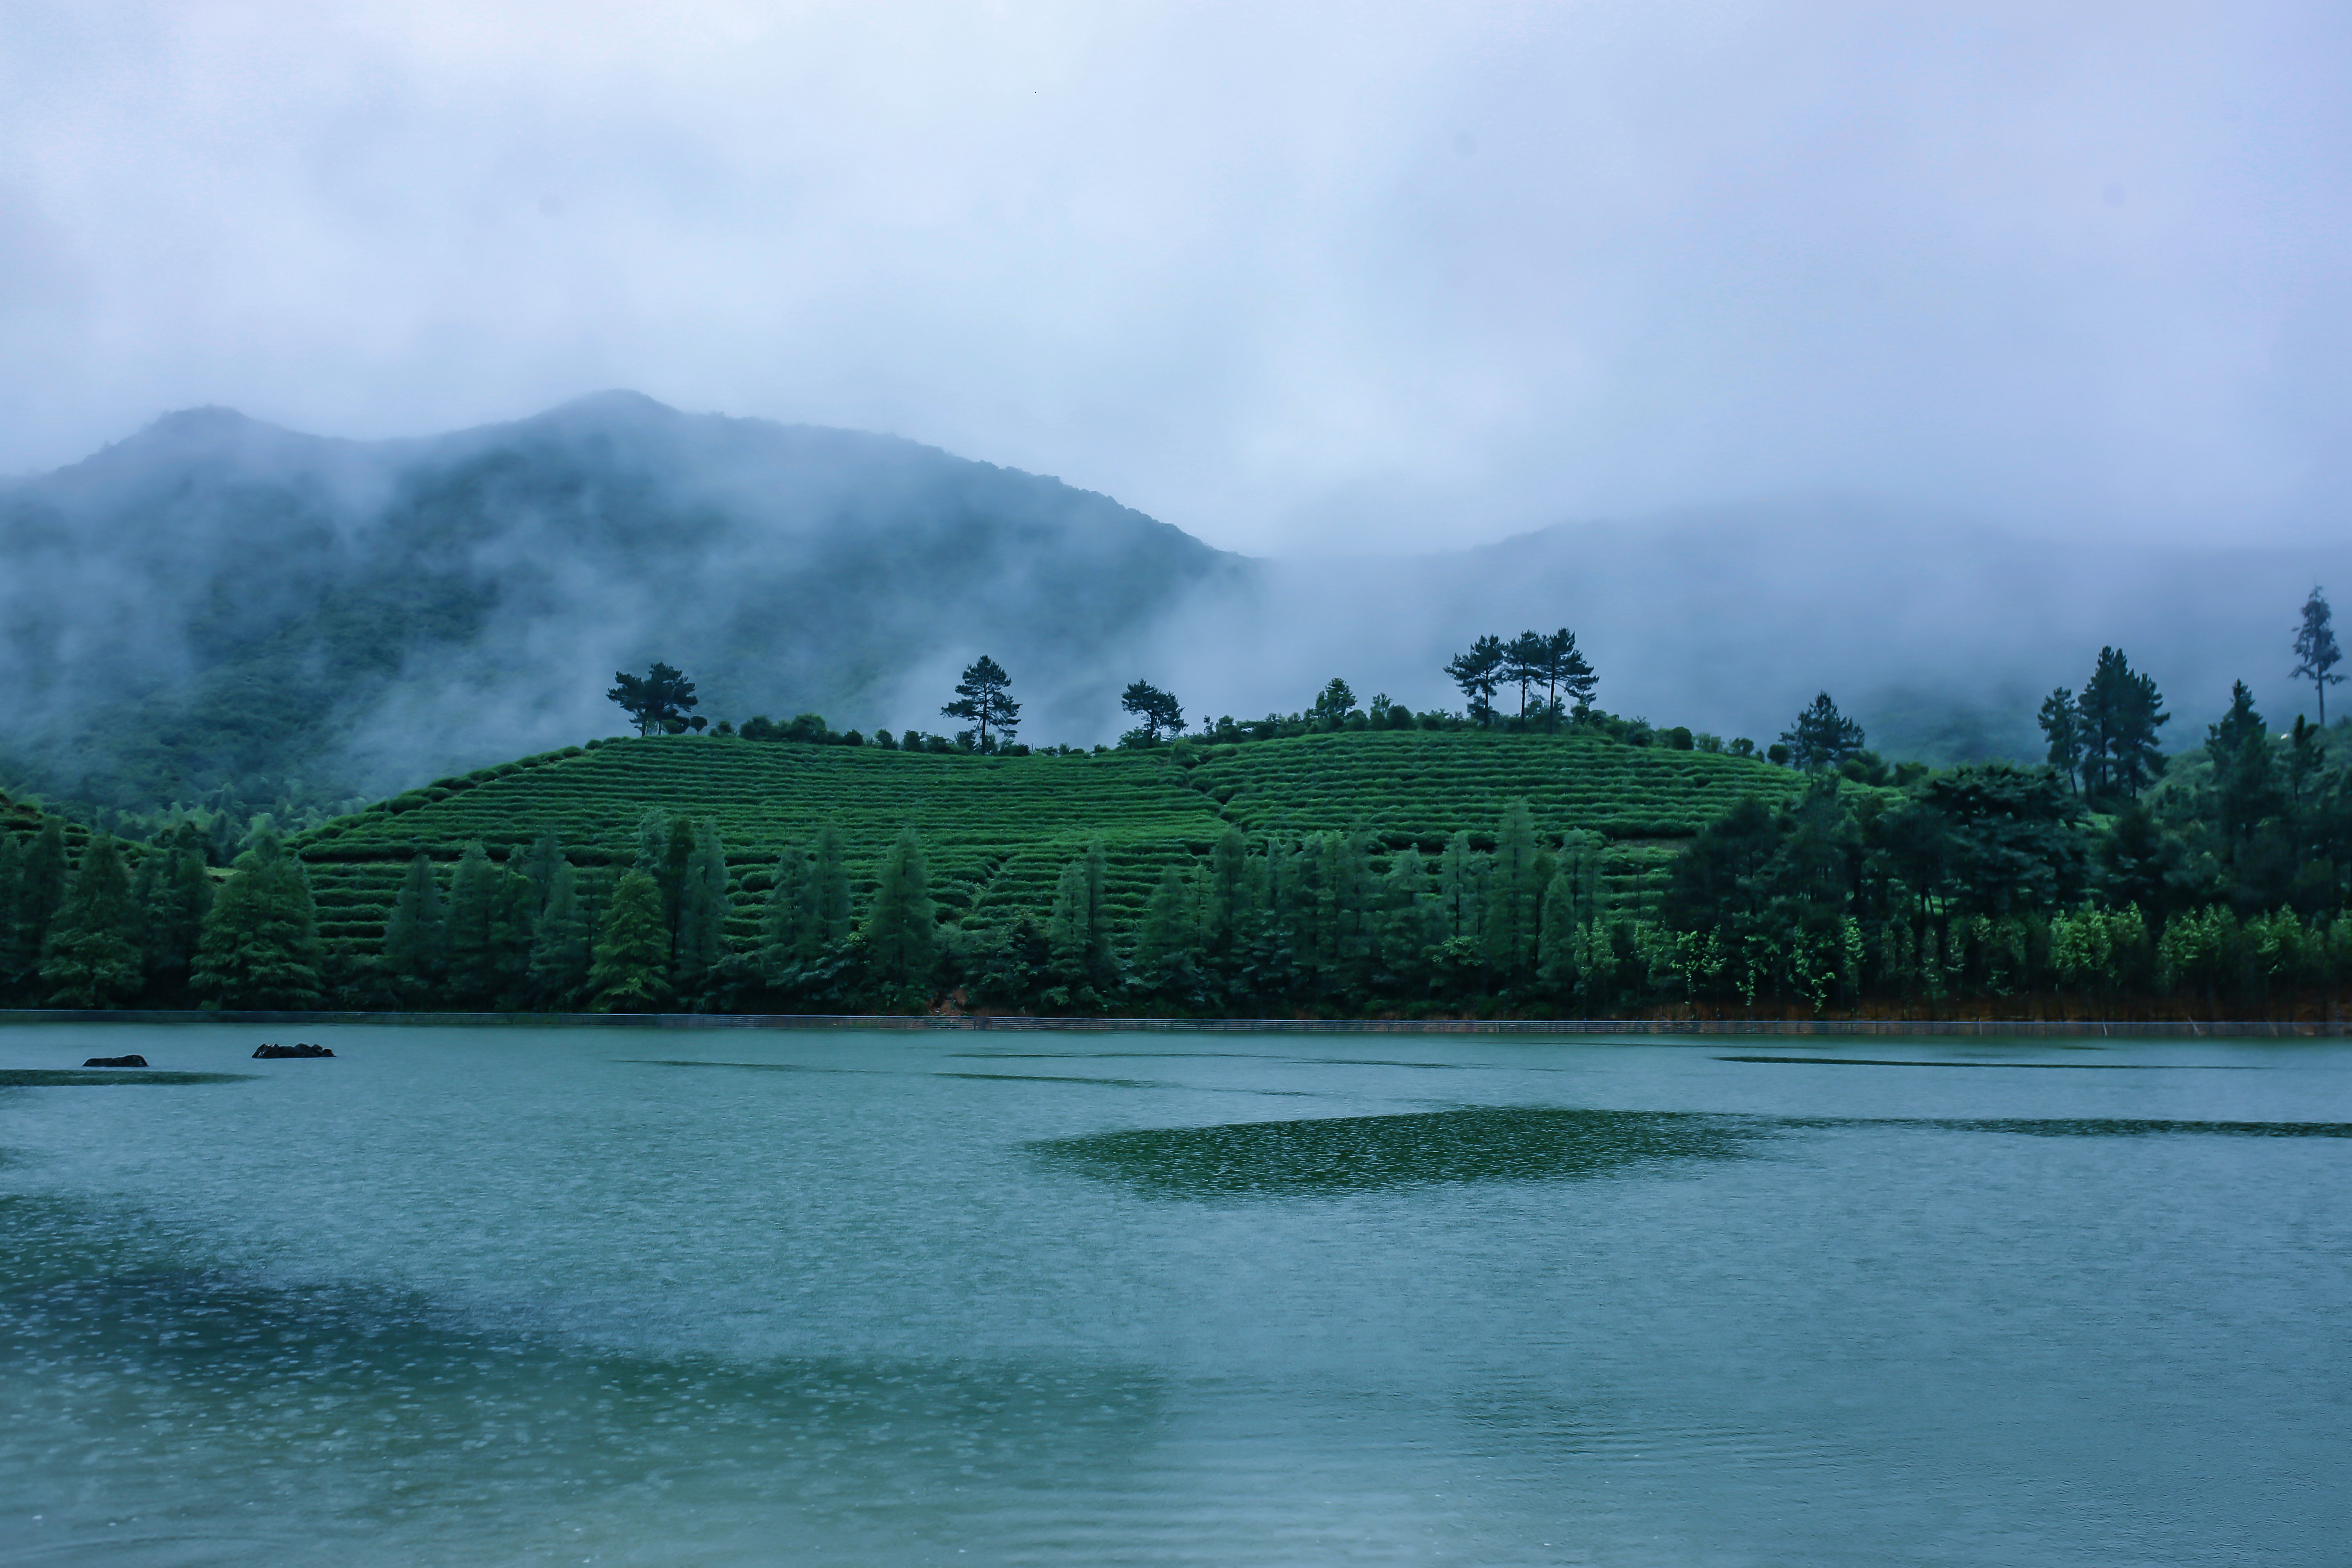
(1293, 279)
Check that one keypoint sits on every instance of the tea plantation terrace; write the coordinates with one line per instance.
(998, 829)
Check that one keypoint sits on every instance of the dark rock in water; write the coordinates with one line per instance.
(285, 1053)
(116, 1062)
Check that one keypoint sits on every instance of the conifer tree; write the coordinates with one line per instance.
(560, 950)
(1301, 908)
(1405, 920)
(653, 843)
(631, 973)
(1355, 907)
(1527, 660)
(1581, 856)
(788, 935)
(1515, 899)
(92, 957)
(412, 935)
(1167, 943)
(1568, 678)
(829, 914)
(1077, 931)
(1556, 957)
(701, 912)
(175, 892)
(514, 922)
(17, 962)
(465, 956)
(984, 696)
(2062, 725)
(902, 928)
(1459, 900)
(1228, 915)
(260, 944)
(2122, 713)
(1478, 672)
(546, 855)
(44, 886)
(2315, 653)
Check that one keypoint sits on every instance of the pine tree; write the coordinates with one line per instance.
(902, 928)
(701, 912)
(92, 957)
(2062, 725)
(17, 963)
(678, 854)
(1228, 915)
(788, 933)
(43, 887)
(560, 950)
(1823, 737)
(514, 924)
(176, 890)
(1515, 899)
(2315, 653)
(1568, 679)
(1478, 672)
(1167, 945)
(546, 855)
(412, 935)
(1526, 661)
(984, 696)
(1460, 904)
(1077, 931)
(1408, 912)
(466, 958)
(2122, 713)
(1556, 962)
(2245, 783)
(260, 944)
(829, 914)
(1581, 856)
(631, 973)
(1355, 908)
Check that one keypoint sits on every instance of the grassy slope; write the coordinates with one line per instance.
(998, 829)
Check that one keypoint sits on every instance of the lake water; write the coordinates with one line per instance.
(674, 1297)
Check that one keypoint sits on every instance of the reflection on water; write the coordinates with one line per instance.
(2100, 1127)
(1362, 1153)
(2071, 1066)
(81, 1077)
(201, 1396)
(506, 1296)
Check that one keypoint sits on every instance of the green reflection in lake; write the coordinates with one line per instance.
(79, 1078)
(2107, 1127)
(1365, 1153)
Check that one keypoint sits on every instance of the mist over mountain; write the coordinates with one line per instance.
(216, 599)
(1941, 633)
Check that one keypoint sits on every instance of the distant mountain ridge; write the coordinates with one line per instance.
(219, 600)
(216, 598)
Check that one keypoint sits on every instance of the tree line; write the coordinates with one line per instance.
(1990, 886)
(2109, 878)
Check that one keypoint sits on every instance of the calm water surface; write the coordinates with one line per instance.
(714, 1296)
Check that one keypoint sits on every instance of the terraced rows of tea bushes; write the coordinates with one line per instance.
(999, 829)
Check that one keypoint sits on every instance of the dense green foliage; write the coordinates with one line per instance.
(1357, 866)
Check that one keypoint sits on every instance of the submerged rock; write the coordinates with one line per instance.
(116, 1062)
(284, 1053)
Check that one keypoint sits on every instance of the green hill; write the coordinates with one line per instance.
(1000, 829)
(218, 603)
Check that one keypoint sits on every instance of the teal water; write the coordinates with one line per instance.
(716, 1297)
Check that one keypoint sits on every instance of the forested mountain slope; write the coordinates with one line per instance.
(215, 599)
